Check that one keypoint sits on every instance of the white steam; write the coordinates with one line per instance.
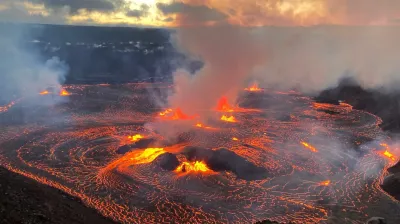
(23, 72)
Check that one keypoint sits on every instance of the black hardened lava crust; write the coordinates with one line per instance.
(23, 200)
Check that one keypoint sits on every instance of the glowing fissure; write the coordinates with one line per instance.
(310, 147)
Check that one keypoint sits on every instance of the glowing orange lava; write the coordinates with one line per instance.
(228, 119)
(147, 156)
(224, 106)
(167, 111)
(310, 147)
(179, 115)
(44, 92)
(235, 139)
(176, 114)
(253, 88)
(325, 183)
(197, 166)
(64, 92)
(200, 125)
(135, 138)
(387, 153)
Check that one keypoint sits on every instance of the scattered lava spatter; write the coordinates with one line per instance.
(78, 154)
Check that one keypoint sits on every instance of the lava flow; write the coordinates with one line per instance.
(97, 146)
(146, 156)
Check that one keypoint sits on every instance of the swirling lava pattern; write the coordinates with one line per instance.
(321, 163)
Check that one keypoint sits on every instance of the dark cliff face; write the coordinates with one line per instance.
(386, 105)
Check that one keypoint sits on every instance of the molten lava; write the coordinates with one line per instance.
(44, 92)
(253, 88)
(64, 92)
(200, 125)
(235, 139)
(310, 147)
(387, 153)
(135, 138)
(179, 115)
(325, 183)
(228, 119)
(148, 155)
(224, 106)
(197, 166)
(176, 114)
(167, 111)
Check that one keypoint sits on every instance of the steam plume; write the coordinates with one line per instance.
(229, 54)
(23, 72)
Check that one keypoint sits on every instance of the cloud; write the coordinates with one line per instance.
(143, 11)
(76, 5)
(191, 14)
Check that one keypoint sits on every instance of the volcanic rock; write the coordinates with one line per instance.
(376, 220)
(167, 161)
(141, 144)
(391, 184)
(124, 149)
(395, 168)
(144, 143)
(386, 105)
(226, 160)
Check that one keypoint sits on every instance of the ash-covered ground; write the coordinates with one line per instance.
(277, 156)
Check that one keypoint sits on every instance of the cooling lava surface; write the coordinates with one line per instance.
(283, 157)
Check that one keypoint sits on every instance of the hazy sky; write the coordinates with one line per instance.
(170, 13)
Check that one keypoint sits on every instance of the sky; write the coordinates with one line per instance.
(176, 13)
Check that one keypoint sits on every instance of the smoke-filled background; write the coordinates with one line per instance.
(309, 59)
(24, 71)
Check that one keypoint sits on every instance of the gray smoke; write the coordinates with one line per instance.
(23, 71)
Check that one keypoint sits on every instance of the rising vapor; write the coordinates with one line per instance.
(308, 58)
(23, 72)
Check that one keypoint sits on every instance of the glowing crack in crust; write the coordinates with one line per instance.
(73, 146)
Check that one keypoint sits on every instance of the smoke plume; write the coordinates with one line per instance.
(307, 58)
(229, 56)
(23, 72)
